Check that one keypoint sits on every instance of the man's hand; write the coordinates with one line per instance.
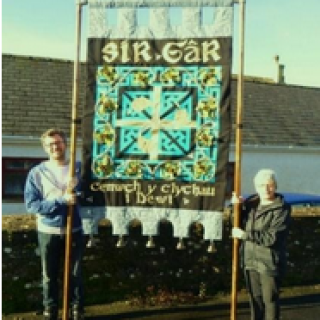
(72, 183)
(70, 198)
(238, 233)
(235, 199)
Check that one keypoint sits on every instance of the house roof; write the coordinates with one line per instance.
(37, 94)
(280, 115)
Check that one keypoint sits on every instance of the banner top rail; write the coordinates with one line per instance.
(161, 3)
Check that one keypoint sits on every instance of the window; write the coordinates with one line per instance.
(14, 174)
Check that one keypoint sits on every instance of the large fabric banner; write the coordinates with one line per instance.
(156, 124)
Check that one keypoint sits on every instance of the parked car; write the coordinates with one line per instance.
(297, 199)
(303, 199)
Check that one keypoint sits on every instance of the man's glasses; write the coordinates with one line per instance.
(52, 144)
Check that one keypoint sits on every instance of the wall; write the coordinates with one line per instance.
(297, 168)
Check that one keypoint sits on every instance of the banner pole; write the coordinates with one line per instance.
(238, 151)
(73, 142)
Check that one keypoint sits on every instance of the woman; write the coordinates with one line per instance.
(265, 219)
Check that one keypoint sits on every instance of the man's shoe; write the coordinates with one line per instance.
(77, 313)
(50, 314)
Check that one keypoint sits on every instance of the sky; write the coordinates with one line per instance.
(287, 28)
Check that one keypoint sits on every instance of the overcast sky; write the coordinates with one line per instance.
(288, 28)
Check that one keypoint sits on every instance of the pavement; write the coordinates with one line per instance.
(296, 304)
(305, 307)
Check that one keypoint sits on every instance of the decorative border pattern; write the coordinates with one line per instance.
(156, 123)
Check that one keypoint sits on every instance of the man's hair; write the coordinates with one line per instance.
(52, 132)
(265, 175)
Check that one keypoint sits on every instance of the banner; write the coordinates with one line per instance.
(156, 125)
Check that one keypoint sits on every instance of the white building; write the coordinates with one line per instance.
(280, 126)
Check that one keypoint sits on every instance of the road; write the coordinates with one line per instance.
(303, 306)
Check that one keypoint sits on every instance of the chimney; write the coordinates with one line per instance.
(280, 71)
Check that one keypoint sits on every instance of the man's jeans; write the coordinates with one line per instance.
(264, 295)
(52, 249)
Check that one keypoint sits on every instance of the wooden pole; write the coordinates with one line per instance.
(73, 142)
(238, 151)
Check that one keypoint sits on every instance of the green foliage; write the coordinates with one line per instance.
(159, 276)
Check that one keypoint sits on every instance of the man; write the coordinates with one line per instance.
(48, 193)
(265, 221)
